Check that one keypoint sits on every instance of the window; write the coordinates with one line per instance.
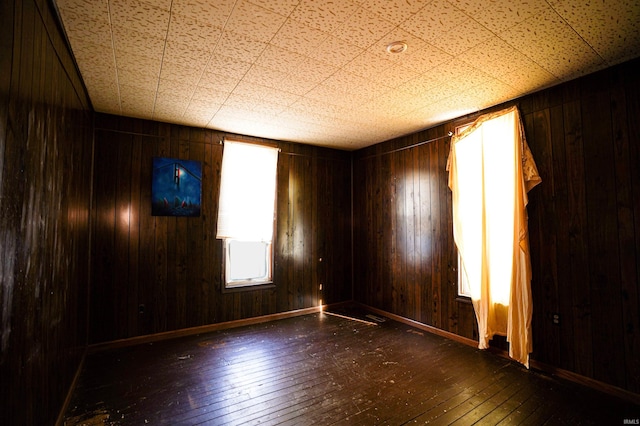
(247, 262)
(246, 213)
(464, 288)
(490, 172)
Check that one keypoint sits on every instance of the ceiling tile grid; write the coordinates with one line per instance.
(318, 72)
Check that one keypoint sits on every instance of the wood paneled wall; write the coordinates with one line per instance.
(156, 274)
(584, 222)
(45, 179)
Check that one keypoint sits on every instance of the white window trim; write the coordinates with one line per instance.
(463, 287)
(230, 284)
(229, 229)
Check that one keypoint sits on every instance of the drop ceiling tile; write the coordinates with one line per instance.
(138, 64)
(394, 76)
(169, 103)
(346, 82)
(176, 88)
(398, 103)
(252, 90)
(98, 9)
(500, 15)
(548, 40)
(466, 35)
(448, 109)
(444, 93)
(297, 37)
(363, 29)
(239, 101)
(368, 64)
(426, 82)
(419, 55)
(142, 44)
(202, 108)
(279, 59)
(210, 104)
(138, 16)
(137, 101)
(529, 78)
(611, 28)
(105, 82)
(138, 79)
(218, 82)
(240, 47)
(228, 66)
(328, 91)
(82, 27)
(168, 117)
(265, 76)
(214, 13)
(336, 52)
(313, 70)
(298, 85)
(495, 57)
(422, 56)
(435, 21)
(395, 11)
(93, 57)
(160, 4)
(183, 54)
(462, 76)
(275, 96)
(312, 98)
(106, 103)
(325, 15)
(268, 108)
(231, 114)
(491, 93)
(179, 72)
(198, 118)
(206, 96)
(187, 31)
(254, 21)
(282, 7)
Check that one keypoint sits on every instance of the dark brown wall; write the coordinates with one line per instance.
(172, 266)
(45, 177)
(584, 222)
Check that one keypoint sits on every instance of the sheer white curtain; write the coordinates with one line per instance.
(247, 192)
(490, 171)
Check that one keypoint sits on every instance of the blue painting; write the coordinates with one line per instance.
(176, 187)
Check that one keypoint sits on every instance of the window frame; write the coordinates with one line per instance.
(252, 285)
(462, 296)
(246, 284)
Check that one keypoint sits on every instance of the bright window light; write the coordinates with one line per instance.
(246, 212)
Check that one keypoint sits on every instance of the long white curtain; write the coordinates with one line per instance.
(247, 192)
(490, 172)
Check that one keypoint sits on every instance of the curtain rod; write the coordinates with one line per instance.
(448, 135)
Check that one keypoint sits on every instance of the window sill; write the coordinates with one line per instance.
(249, 287)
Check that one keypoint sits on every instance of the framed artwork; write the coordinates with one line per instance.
(176, 187)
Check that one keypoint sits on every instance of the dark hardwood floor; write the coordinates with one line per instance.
(325, 369)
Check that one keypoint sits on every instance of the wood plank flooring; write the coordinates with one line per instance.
(323, 369)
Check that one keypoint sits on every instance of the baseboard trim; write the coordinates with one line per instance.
(586, 381)
(157, 337)
(72, 388)
(535, 365)
(421, 326)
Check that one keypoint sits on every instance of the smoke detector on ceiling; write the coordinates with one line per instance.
(396, 47)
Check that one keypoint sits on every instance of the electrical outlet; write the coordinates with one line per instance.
(555, 318)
